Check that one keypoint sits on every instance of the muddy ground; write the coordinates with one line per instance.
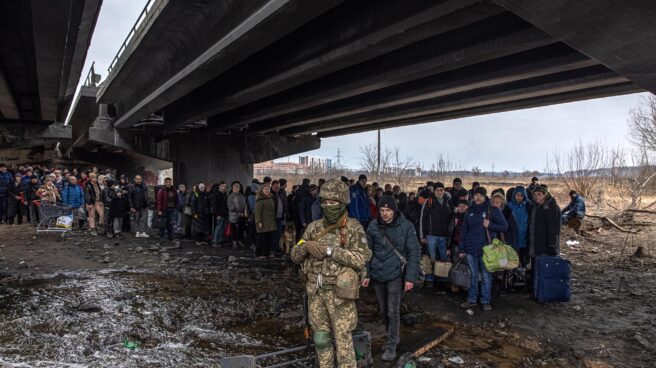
(84, 301)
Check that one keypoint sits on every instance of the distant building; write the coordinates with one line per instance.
(306, 165)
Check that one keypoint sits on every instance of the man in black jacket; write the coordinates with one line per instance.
(388, 234)
(435, 228)
(138, 202)
(544, 224)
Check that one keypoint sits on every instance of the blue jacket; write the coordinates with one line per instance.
(520, 212)
(359, 206)
(473, 235)
(577, 204)
(6, 181)
(73, 196)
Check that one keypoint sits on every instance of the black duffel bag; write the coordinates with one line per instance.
(158, 222)
(460, 274)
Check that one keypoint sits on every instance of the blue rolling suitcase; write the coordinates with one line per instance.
(551, 281)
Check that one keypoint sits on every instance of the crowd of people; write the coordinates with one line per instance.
(445, 223)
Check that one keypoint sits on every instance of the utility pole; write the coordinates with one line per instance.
(338, 164)
(378, 161)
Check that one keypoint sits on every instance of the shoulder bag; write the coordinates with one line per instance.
(421, 276)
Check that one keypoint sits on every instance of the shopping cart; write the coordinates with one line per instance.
(49, 218)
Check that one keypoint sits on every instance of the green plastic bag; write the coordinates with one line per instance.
(499, 256)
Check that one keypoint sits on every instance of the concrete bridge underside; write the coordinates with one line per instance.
(226, 74)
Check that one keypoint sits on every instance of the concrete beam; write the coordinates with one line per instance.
(456, 49)
(83, 18)
(19, 134)
(618, 34)
(85, 112)
(596, 76)
(126, 162)
(324, 46)
(236, 30)
(585, 94)
(534, 63)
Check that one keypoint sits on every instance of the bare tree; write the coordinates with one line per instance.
(642, 123)
(476, 171)
(581, 168)
(633, 181)
(369, 158)
(400, 167)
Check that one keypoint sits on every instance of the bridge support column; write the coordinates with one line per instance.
(209, 157)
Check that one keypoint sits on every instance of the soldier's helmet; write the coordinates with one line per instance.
(335, 190)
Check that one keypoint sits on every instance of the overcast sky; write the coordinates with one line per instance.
(512, 141)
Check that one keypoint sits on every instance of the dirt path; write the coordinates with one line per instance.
(77, 300)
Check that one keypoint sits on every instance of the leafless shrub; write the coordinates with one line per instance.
(582, 168)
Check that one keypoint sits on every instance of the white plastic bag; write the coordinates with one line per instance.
(65, 222)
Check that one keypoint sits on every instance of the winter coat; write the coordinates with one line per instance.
(14, 206)
(520, 213)
(280, 198)
(544, 228)
(529, 191)
(219, 203)
(118, 206)
(359, 206)
(385, 265)
(473, 235)
(577, 205)
(511, 235)
(236, 206)
(73, 196)
(138, 196)
(200, 204)
(48, 194)
(265, 213)
(316, 210)
(305, 208)
(6, 182)
(90, 193)
(436, 218)
(162, 199)
(106, 196)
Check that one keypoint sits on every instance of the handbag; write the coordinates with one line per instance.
(158, 222)
(460, 274)
(442, 268)
(187, 210)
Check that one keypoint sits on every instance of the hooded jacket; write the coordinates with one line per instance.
(385, 265)
(520, 213)
(544, 228)
(359, 206)
(472, 234)
(577, 205)
(73, 196)
(265, 213)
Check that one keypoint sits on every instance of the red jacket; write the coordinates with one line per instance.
(162, 199)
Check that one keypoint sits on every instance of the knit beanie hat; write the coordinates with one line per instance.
(481, 190)
(542, 188)
(500, 195)
(388, 201)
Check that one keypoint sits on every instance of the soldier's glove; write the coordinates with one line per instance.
(315, 249)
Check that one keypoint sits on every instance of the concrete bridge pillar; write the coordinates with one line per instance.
(210, 158)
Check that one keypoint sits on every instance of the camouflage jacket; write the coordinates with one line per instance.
(354, 254)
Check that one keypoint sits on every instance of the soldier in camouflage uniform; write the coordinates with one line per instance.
(328, 246)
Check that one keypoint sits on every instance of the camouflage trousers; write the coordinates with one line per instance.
(330, 318)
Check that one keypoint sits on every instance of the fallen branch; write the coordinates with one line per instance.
(613, 224)
(642, 211)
